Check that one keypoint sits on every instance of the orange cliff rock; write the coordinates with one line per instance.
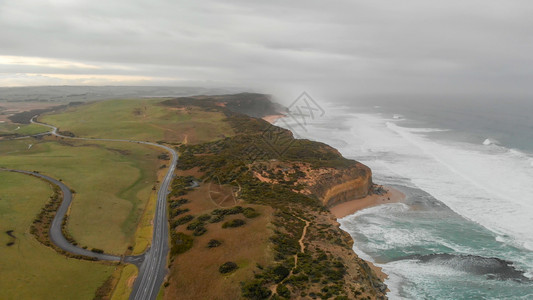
(331, 185)
(341, 185)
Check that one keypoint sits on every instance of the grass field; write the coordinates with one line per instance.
(113, 182)
(114, 201)
(143, 120)
(28, 269)
(21, 129)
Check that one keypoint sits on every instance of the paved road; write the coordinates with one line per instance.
(56, 235)
(152, 263)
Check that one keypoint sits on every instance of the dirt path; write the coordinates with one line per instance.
(301, 242)
(302, 250)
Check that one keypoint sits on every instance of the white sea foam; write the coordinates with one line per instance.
(423, 274)
(492, 189)
(396, 116)
(489, 184)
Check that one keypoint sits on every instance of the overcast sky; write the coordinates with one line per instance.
(367, 47)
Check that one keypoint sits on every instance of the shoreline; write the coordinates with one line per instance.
(344, 209)
(347, 208)
(273, 118)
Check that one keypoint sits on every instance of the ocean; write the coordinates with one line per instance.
(465, 230)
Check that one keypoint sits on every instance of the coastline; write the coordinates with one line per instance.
(344, 209)
(273, 118)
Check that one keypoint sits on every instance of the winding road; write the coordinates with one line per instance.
(152, 263)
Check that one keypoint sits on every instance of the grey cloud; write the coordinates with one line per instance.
(361, 47)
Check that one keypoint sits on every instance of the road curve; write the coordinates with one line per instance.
(152, 263)
(56, 234)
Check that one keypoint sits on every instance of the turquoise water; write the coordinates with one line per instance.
(466, 228)
(404, 238)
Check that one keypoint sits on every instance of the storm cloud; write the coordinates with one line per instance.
(357, 47)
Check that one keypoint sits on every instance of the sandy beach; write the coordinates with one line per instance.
(347, 208)
(350, 207)
(272, 118)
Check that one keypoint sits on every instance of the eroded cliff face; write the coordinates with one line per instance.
(331, 185)
(343, 185)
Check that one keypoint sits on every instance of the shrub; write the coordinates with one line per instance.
(199, 231)
(96, 250)
(178, 212)
(228, 267)
(255, 290)
(233, 223)
(279, 273)
(204, 218)
(283, 291)
(195, 224)
(180, 243)
(183, 220)
(216, 219)
(250, 213)
(178, 203)
(213, 243)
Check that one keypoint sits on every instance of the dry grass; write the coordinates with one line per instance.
(194, 274)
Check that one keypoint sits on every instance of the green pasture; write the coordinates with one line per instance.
(140, 119)
(112, 181)
(28, 269)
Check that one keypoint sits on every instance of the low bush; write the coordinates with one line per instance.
(213, 243)
(216, 219)
(255, 290)
(199, 231)
(279, 273)
(233, 223)
(250, 213)
(228, 267)
(204, 218)
(183, 220)
(195, 224)
(283, 291)
(180, 243)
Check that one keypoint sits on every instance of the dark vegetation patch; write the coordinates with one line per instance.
(283, 291)
(251, 104)
(180, 242)
(163, 156)
(228, 267)
(12, 238)
(104, 291)
(183, 220)
(255, 289)
(250, 213)
(66, 133)
(181, 185)
(233, 223)
(213, 243)
(26, 116)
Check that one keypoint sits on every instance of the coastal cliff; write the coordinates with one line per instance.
(293, 246)
(338, 186)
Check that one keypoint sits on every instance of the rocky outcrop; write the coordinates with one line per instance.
(341, 185)
(331, 185)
